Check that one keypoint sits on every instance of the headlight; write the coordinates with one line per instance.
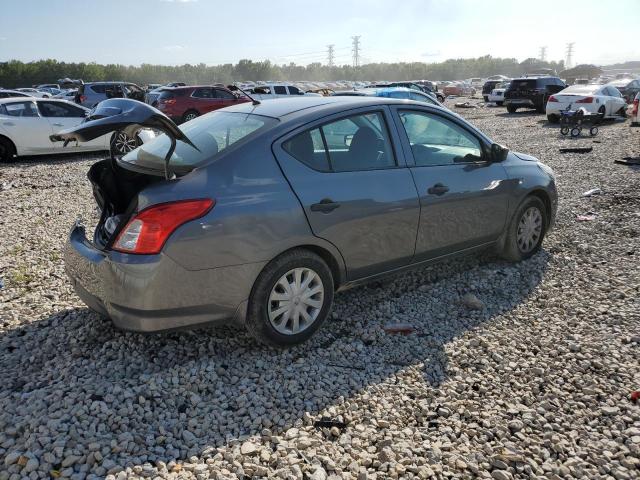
(546, 169)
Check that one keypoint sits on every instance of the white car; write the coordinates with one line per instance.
(34, 92)
(26, 123)
(603, 99)
(497, 94)
(66, 95)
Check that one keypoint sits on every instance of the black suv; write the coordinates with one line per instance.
(531, 92)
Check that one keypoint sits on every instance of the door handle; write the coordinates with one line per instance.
(438, 189)
(9, 124)
(326, 205)
(58, 125)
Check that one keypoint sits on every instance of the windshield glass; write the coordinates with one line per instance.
(211, 133)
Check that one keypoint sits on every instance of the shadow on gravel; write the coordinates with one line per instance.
(74, 379)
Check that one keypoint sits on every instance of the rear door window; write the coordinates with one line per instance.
(358, 142)
(98, 88)
(280, 90)
(202, 93)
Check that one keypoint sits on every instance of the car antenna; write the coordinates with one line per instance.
(253, 100)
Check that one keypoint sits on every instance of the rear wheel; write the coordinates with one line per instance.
(526, 230)
(499, 103)
(7, 150)
(190, 115)
(291, 299)
(542, 108)
(575, 132)
(511, 108)
(553, 118)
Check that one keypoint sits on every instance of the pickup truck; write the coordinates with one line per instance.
(277, 90)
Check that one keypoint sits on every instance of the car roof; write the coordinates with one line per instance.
(286, 107)
(37, 99)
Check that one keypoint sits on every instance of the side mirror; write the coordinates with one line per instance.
(498, 152)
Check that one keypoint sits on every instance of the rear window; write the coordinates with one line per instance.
(584, 89)
(211, 133)
(523, 84)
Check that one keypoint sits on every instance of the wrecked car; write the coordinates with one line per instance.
(259, 212)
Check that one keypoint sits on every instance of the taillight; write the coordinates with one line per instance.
(634, 110)
(168, 102)
(552, 99)
(147, 232)
(82, 98)
(585, 100)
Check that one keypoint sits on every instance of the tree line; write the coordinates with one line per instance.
(15, 73)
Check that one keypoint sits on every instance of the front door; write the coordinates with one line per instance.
(29, 131)
(355, 190)
(463, 197)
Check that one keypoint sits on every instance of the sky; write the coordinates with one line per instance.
(173, 32)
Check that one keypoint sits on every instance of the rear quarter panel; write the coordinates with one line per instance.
(255, 218)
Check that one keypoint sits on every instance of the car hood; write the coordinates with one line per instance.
(525, 157)
(121, 114)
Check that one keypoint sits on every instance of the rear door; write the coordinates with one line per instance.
(26, 128)
(351, 179)
(463, 196)
(61, 116)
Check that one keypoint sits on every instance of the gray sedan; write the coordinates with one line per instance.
(258, 213)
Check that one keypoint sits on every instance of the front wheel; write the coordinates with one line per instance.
(499, 103)
(553, 118)
(290, 299)
(602, 111)
(526, 231)
(511, 108)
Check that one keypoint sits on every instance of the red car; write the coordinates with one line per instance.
(182, 104)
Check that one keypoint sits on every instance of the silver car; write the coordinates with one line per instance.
(258, 213)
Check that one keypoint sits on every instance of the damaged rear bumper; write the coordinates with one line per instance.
(149, 293)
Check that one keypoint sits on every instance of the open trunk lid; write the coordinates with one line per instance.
(115, 184)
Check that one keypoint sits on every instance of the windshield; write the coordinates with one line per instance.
(211, 133)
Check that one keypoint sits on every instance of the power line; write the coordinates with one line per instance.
(569, 61)
(543, 53)
(330, 55)
(356, 50)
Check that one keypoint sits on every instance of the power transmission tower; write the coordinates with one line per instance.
(330, 54)
(569, 61)
(356, 50)
(543, 53)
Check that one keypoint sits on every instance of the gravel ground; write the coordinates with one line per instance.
(511, 371)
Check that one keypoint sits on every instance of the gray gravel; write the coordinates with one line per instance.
(506, 371)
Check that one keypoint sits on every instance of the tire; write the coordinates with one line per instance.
(542, 108)
(553, 118)
(513, 247)
(121, 143)
(602, 111)
(575, 132)
(486, 99)
(269, 284)
(593, 131)
(512, 108)
(499, 103)
(564, 130)
(7, 150)
(190, 115)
